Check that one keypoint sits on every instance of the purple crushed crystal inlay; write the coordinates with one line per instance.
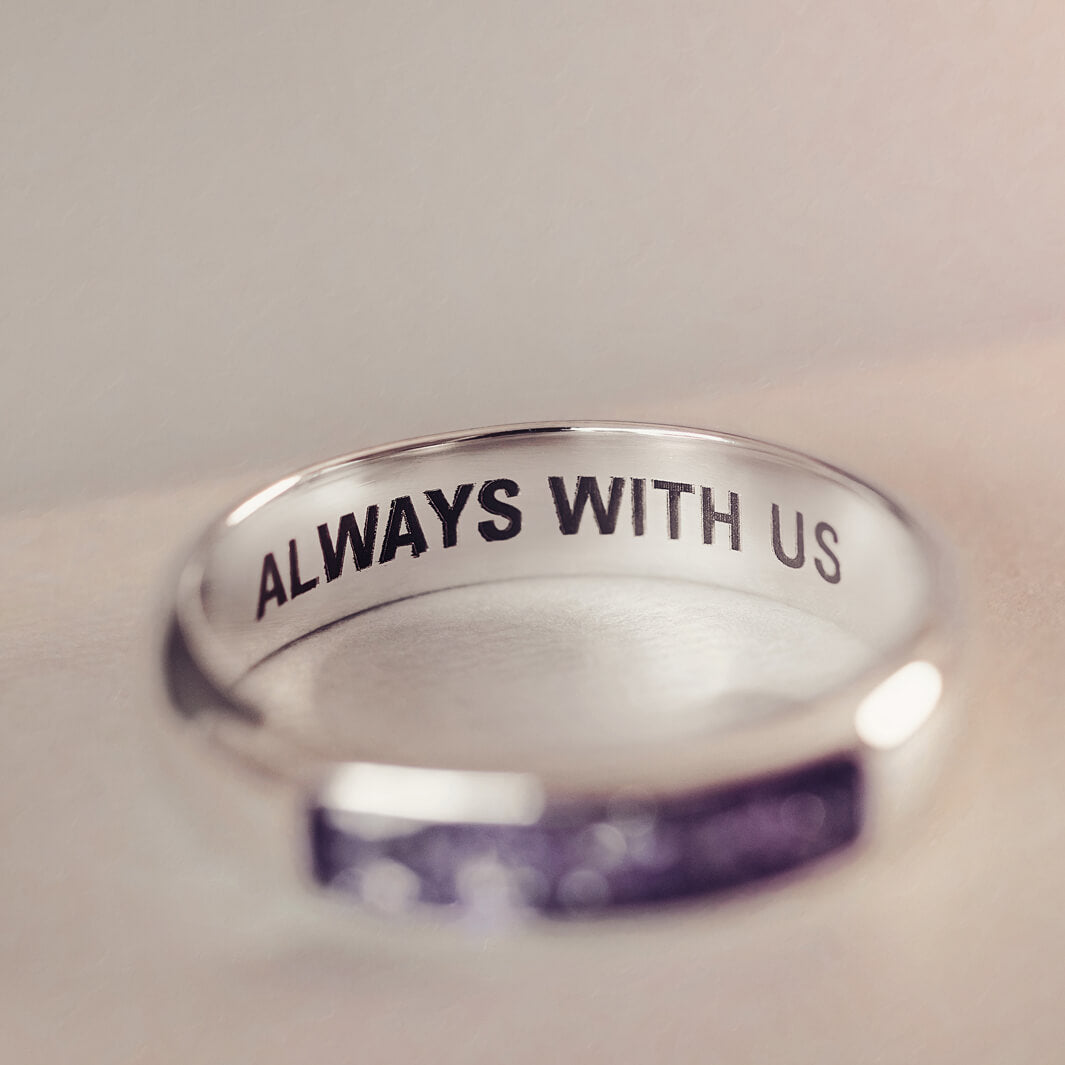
(586, 856)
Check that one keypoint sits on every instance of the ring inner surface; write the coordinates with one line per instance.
(550, 596)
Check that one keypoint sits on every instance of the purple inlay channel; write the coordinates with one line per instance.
(587, 856)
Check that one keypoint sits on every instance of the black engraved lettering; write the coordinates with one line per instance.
(675, 490)
(639, 506)
(711, 517)
(297, 586)
(348, 531)
(489, 503)
(587, 491)
(820, 531)
(402, 530)
(448, 513)
(270, 586)
(794, 561)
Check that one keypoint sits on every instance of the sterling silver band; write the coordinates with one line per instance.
(763, 798)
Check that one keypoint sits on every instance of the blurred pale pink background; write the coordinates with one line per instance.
(240, 239)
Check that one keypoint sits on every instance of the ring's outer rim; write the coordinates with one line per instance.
(799, 736)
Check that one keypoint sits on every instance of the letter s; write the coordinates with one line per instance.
(819, 534)
(487, 498)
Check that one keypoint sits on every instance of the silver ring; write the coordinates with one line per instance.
(789, 782)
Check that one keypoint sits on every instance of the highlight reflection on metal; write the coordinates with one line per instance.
(259, 500)
(551, 501)
(894, 711)
(434, 795)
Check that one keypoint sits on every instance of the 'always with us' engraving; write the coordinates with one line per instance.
(588, 505)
